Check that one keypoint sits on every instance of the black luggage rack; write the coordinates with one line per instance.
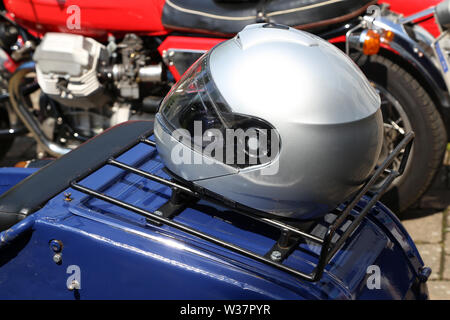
(182, 193)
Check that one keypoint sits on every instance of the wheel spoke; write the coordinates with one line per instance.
(395, 124)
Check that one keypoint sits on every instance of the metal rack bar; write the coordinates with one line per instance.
(405, 144)
(188, 230)
(152, 177)
(327, 251)
(188, 191)
(284, 226)
(148, 142)
(358, 220)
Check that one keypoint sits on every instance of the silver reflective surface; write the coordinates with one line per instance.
(326, 113)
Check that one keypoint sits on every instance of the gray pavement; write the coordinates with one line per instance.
(429, 226)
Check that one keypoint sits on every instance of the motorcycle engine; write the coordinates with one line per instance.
(66, 69)
(95, 85)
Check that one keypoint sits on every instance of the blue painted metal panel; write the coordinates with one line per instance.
(11, 176)
(121, 255)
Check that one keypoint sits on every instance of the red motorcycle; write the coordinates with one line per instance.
(412, 7)
(104, 62)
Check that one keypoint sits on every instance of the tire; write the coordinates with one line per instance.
(422, 117)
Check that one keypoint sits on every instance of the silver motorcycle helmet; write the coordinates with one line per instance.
(275, 119)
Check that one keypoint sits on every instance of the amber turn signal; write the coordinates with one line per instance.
(371, 42)
(387, 36)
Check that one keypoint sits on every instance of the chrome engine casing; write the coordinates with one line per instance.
(66, 68)
(96, 85)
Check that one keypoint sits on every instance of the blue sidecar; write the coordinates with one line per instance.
(107, 221)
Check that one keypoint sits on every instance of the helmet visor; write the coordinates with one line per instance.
(195, 109)
(195, 98)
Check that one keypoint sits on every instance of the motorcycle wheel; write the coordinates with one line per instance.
(407, 106)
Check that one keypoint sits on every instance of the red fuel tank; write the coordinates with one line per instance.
(90, 18)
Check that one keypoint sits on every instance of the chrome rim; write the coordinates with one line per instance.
(396, 124)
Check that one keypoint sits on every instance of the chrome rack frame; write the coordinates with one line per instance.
(177, 203)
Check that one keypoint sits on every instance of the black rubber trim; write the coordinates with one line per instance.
(33, 192)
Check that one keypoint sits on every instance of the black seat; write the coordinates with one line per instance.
(227, 17)
(33, 192)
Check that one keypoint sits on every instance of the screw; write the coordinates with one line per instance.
(57, 258)
(67, 196)
(275, 255)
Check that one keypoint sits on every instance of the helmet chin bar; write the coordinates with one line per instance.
(184, 194)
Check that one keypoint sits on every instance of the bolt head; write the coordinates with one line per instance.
(275, 255)
(57, 258)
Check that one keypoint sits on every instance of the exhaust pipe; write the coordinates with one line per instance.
(28, 119)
